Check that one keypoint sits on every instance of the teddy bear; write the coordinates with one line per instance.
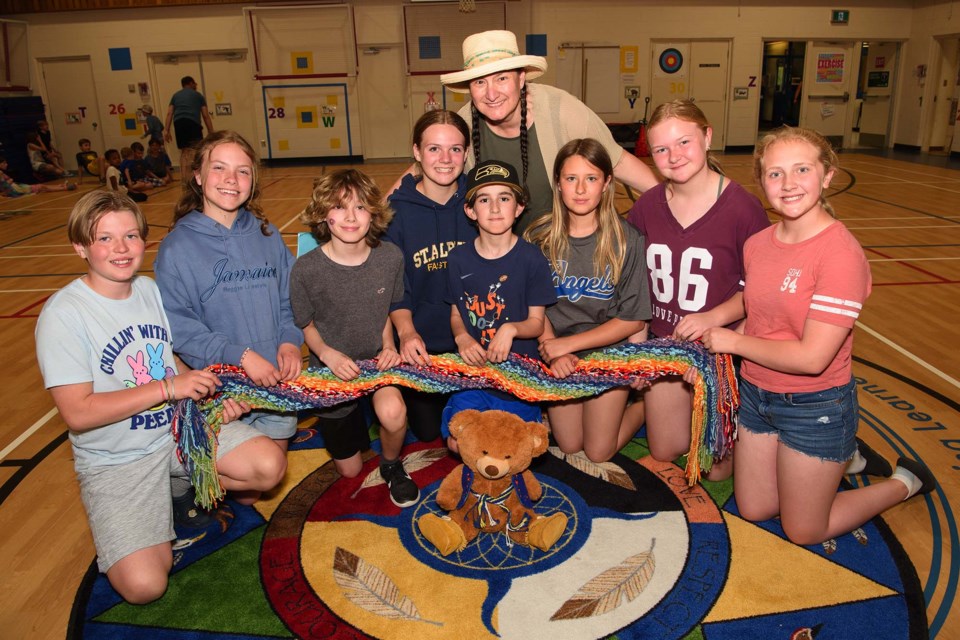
(492, 490)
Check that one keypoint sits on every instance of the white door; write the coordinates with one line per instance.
(670, 77)
(168, 69)
(709, 79)
(698, 70)
(385, 114)
(72, 107)
(878, 82)
(229, 92)
(829, 77)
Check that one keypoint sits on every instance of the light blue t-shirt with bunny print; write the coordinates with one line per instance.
(114, 344)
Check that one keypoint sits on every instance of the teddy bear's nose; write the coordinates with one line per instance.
(492, 471)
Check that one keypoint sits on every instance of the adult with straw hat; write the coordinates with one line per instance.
(526, 124)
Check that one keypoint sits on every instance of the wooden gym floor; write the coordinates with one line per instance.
(907, 352)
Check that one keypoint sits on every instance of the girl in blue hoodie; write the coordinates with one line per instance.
(224, 275)
(428, 222)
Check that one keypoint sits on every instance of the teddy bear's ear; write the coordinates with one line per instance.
(540, 436)
(461, 420)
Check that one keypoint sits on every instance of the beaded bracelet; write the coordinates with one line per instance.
(244, 355)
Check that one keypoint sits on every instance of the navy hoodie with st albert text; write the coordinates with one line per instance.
(426, 231)
(226, 289)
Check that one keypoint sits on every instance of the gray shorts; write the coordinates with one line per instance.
(129, 506)
(276, 426)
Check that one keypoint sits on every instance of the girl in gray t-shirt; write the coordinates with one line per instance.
(602, 295)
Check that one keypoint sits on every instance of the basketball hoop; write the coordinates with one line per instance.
(468, 6)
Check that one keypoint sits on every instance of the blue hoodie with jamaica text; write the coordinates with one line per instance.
(226, 289)
(426, 231)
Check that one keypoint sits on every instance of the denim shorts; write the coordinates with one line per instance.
(820, 424)
(276, 426)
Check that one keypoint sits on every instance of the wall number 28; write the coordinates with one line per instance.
(691, 288)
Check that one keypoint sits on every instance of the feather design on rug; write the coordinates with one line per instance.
(607, 591)
(371, 589)
(413, 462)
(606, 471)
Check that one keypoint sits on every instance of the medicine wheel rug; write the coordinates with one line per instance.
(643, 556)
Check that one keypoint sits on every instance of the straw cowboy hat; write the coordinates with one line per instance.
(490, 52)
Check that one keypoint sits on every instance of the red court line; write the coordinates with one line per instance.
(911, 266)
(903, 284)
(19, 314)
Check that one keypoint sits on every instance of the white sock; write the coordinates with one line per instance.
(857, 462)
(912, 482)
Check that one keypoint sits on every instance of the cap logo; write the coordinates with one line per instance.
(491, 170)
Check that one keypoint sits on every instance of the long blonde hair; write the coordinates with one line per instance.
(551, 231)
(688, 111)
(191, 197)
(828, 157)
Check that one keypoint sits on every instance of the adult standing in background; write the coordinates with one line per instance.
(187, 108)
(525, 125)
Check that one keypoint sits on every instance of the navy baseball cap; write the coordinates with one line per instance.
(493, 172)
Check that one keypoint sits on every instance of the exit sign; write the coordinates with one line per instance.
(840, 16)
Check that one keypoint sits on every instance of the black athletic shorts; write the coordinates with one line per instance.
(188, 133)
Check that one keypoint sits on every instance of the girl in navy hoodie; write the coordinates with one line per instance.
(224, 275)
(428, 222)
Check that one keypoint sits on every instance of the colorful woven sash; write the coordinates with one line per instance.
(714, 404)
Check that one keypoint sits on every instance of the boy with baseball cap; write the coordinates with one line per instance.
(498, 287)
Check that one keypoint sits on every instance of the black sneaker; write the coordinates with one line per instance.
(403, 490)
(186, 512)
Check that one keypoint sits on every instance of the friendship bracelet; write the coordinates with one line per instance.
(173, 388)
(163, 391)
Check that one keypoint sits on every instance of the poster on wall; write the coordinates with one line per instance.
(830, 68)
(878, 79)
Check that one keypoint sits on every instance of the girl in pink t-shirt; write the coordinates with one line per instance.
(806, 281)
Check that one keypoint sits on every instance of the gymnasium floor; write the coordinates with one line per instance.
(906, 349)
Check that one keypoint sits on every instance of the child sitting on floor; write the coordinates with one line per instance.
(13, 189)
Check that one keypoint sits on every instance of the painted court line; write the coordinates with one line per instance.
(906, 226)
(926, 365)
(27, 290)
(909, 259)
(26, 434)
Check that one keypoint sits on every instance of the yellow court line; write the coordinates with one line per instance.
(26, 434)
(28, 290)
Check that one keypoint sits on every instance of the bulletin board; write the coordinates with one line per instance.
(307, 120)
(302, 42)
